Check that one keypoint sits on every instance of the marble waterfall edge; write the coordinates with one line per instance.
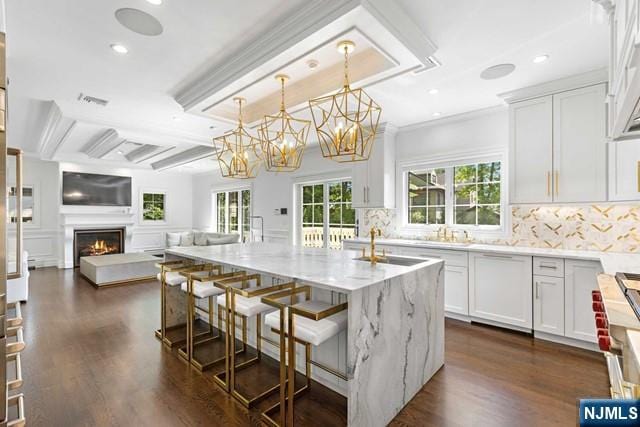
(395, 343)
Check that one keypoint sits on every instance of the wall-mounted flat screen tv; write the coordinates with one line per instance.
(90, 189)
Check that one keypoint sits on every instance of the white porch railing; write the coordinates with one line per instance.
(313, 237)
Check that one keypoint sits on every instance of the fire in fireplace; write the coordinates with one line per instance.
(97, 242)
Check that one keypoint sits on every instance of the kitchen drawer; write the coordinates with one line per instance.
(553, 267)
(452, 258)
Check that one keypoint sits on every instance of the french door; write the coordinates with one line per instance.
(327, 215)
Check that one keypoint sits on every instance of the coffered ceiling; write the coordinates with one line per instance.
(171, 93)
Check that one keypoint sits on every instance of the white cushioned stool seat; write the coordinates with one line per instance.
(312, 331)
(202, 289)
(247, 306)
(172, 278)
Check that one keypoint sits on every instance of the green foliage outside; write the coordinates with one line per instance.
(153, 207)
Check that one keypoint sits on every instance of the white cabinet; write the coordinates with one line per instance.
(530, 132)
(548, 304)
(579, 149)
(500, 288)
(624, 67)
(580, 280)
(373, 181)
(456, 277)
(557, 147)
(624, 170)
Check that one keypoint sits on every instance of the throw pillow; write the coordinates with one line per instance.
(200, 238)
(223, 239)
(173, 239)
(186, 238)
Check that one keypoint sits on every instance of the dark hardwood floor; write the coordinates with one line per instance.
(92, 359)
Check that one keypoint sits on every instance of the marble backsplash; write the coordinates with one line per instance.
(602, 227)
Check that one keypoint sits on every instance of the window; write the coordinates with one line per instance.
(477, 194)
(153, 206)
(27, 205)
(467, 194)
(319, 229)
(233, 212)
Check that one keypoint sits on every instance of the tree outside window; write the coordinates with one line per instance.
(153, 206)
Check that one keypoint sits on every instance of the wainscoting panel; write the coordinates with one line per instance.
(41, 245)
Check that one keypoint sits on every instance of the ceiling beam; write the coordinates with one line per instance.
(103, 144)
(146, 152)
(188, 156)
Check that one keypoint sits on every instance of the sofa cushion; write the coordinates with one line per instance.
(186, 238)
(200, 238)
(173, 239)
(222, 239)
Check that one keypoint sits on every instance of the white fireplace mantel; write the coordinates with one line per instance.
(83, 217)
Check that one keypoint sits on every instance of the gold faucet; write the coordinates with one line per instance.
(372, 256)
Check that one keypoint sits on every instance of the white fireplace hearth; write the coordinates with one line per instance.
(78, 218)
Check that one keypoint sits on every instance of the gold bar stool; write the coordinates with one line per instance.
(246, 302)
(169, 274)
(199, 286)
(309, 323)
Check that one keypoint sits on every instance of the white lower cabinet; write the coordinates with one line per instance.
(548, 304)
(500, 288)
(579, 280)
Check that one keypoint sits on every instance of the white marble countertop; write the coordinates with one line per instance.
(331, 269)
(612, 262)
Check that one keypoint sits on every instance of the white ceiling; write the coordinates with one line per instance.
(56, 50)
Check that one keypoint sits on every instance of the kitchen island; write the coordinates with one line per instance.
(395, 336)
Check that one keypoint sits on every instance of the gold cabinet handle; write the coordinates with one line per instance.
(557, 182)
(549, 183)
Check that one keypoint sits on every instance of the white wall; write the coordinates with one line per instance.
(476, 131)
(44, 238)
(269, 191)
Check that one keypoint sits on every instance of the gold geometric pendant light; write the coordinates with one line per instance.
(237, 151)
(346, 122)
(283, 137)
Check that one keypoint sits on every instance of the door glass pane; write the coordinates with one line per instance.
(221, 203)
(246, 215)
(233, 211)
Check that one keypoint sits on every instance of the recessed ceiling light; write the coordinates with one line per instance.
(120, 152)
(212, 127)
(540, 58)
(437, 114)
(119, 48)
(155, 2)
(312, 64)
(637, 119)
(433, 91)
(497, 71)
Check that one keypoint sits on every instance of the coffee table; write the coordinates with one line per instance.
(118, 269)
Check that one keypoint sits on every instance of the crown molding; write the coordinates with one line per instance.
(468, 115)
(184, 157)
(103, 144)
(53, 117)
(294, 28)
(577, 81)
(55, 143)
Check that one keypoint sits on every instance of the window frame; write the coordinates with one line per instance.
(141, 203)
(324, 179)
(449, 163)
(241, 210)
(35, 216)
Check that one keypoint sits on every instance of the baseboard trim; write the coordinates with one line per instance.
(566, 341)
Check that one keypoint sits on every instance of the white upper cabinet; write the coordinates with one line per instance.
(579, 145)
(557, 147)
(373, 181)
(624, 170)
(624, 67)
(530, 150)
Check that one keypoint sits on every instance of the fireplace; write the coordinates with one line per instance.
(95, 242)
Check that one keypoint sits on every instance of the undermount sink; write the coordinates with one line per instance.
(394, 260)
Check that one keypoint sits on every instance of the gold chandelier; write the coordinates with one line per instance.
(237, 151)
(346, 122)
(283, 137)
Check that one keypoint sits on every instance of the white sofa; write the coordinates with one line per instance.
(199, 238)
(18, 289)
